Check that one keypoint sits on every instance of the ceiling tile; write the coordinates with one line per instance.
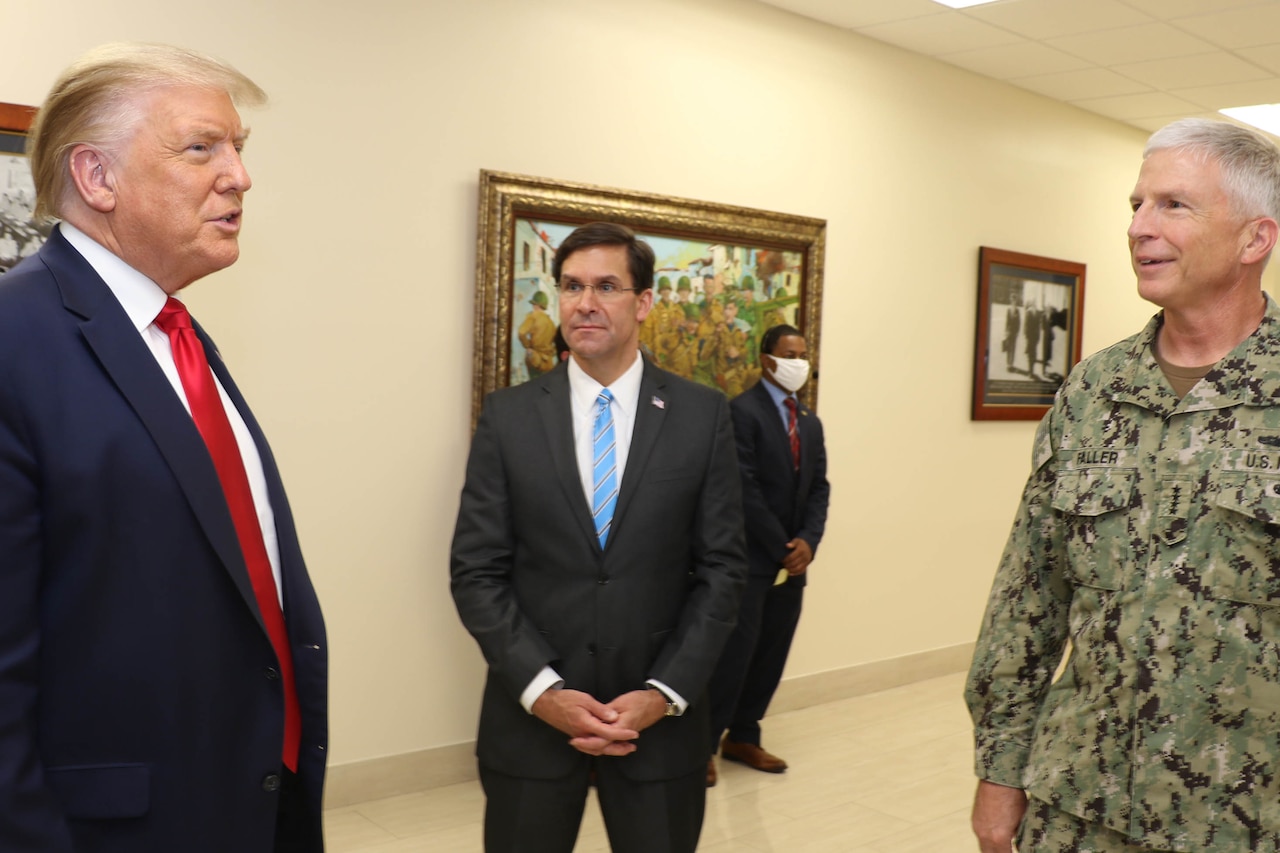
(1267, 55)
(1128, 107)
(1154, 123)
(1023, 59)
(1144, 62)
(861, 13)
(1131, 44)
(1238, 27)
(1075, 85)
(1168, 10)
(937, 34)
(1207, 69)
(1046, 19)
(1232, 95)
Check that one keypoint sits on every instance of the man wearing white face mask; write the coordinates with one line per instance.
(783, 462)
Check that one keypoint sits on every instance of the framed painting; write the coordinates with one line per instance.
(723, 275)
(1030, 322)
(20, 236)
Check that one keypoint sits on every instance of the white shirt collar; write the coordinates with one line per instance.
(140, 297)
(625, 389)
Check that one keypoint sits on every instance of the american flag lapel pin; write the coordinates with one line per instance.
(658, 402)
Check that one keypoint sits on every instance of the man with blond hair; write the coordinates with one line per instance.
(1147, 544)
(162, 654)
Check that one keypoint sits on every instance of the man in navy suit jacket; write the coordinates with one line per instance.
(599, 652)
(784, 499)
(142, 704)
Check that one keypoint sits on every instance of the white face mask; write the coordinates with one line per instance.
(790, 373)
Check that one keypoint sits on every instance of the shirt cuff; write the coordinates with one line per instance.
(670, 694)
(545, 680)
(1001, 761)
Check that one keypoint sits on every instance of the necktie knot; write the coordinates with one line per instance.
(790, 403)
(173, 317)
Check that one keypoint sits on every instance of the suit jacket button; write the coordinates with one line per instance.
(272, 674)
(591, 648)
(271, 783)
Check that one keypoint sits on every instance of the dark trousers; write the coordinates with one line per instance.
(544, 815)
(752, 662)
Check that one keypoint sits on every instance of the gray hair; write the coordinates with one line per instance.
(97, 101)
(1250, 162)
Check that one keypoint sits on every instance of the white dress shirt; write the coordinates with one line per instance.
(142, 300)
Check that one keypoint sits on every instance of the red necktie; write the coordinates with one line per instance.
(211, 421)
(792, 433)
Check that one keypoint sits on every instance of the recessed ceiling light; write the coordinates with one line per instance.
(1262, 116)
(963, 4)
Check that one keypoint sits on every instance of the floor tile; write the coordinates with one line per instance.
(888, 772)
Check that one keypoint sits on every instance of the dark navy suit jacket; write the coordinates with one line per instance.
(780, 502)
(139, 707)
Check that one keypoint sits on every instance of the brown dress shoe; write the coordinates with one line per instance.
(711, 773)
(752, 756)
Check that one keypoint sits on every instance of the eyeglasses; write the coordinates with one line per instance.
(573, 290)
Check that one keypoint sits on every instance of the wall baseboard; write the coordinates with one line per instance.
(805, 691)
(410, 772)
(405, 773)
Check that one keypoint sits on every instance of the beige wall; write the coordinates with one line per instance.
(347, 321)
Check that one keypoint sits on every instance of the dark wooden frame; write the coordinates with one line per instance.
(1004, 391)
(15, 123)
(506, 197)
(16, 117)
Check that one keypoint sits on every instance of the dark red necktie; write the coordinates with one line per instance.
(792, 433)
(211, 421)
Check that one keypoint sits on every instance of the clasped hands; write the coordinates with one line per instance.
(598, 728)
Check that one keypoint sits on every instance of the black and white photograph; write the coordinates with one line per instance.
(19, 234)
(1029, 328)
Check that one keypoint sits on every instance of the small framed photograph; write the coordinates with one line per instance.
(723, 275)
(1030, 322)
(20, 236)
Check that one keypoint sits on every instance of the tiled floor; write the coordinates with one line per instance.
(883, 772)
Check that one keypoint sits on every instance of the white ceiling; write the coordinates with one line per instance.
(1144, 62)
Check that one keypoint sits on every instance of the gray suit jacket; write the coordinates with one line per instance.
(534, 588)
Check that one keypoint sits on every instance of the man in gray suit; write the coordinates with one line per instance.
(598, 561)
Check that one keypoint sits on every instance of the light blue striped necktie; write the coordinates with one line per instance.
(604, 468)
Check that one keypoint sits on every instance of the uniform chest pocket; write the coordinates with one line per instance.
(1240, 548)
(1091, 504)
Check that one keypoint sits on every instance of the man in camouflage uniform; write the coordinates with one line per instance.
(1149, 537)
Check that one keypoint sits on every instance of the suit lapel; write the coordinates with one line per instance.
(556, 414)
(651, 412)
(780, 442)
(286, 536)
(804, 425)
(125, 358)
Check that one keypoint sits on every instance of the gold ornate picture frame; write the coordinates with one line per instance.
(724, 274)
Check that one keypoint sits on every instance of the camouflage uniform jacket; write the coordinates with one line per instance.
(1149, 537)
